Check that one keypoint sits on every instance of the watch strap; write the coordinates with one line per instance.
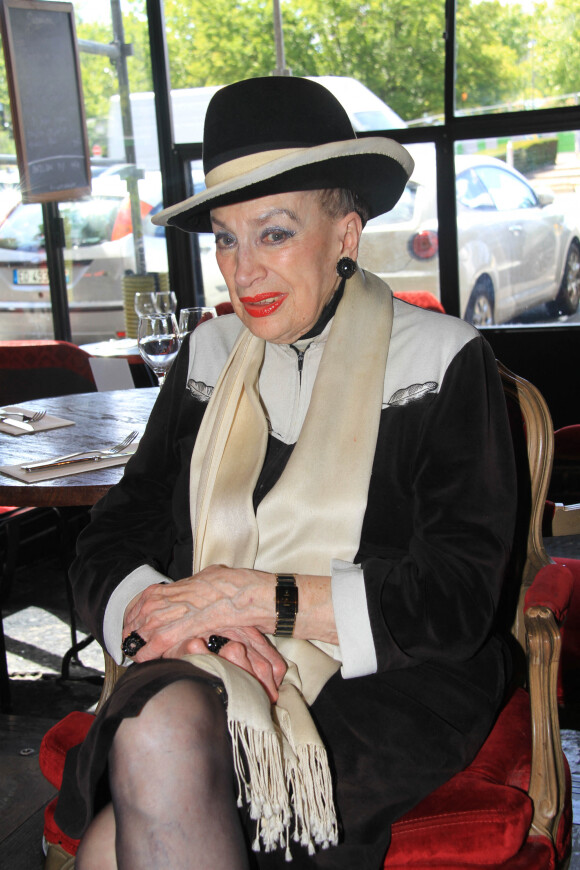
(286, 605)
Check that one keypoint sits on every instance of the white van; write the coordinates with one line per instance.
(365, 109)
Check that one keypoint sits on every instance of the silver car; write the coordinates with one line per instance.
(99, 252)
(517, 247)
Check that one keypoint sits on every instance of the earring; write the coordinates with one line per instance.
(346, 267)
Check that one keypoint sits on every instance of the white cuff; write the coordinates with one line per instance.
(132, 585)
(351, 615)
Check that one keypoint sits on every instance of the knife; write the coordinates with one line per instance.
(18, 424)
(58, 463)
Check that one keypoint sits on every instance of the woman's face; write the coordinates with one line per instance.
(278, 256)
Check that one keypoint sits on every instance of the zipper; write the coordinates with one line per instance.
(300, 355)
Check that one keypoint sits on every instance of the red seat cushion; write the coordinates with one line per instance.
(57, 741)
(569, 673)
(481, 817)
(53, 834)
(483, 814)
(421, 298)
(55, 744)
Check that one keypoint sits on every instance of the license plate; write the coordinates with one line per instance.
(35, 277)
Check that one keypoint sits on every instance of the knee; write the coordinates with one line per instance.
(183, 715)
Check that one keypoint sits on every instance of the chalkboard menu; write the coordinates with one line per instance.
(43, 70)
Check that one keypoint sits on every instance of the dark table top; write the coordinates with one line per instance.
(101, 419)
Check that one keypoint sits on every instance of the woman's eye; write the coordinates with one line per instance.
(276, 236)
(224, 240)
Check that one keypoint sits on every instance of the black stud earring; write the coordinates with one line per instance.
(346, 267)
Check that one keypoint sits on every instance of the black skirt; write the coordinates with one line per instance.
(392, 738)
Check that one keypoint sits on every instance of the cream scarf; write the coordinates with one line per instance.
(313, 514)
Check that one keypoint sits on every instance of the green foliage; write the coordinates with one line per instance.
(489, 47)
(384, 43)
(530, 154)
(505, 55)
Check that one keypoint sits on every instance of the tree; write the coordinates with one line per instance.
(557, 49)
(488, 51)
(393, 46)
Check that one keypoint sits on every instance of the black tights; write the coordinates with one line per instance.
(172, 783)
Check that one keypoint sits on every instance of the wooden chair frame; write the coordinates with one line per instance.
(537, 631)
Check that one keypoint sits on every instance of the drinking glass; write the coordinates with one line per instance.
(155, 302)
(165, 302)
(158, 341)
(145, 303)
(189, 318)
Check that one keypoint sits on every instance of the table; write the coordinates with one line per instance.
(117, 348)
(101, 419)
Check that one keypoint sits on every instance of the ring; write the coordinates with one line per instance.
(216, 642)
(132, 644)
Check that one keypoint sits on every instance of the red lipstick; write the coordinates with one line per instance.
(263, 304)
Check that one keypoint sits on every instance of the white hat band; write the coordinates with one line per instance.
(240, 165)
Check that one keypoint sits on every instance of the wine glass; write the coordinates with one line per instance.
(145, 303)
(158, 342)
(155, 302)
(189, 318)
(165, 301)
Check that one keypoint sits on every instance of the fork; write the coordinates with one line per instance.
(102, 454)
(28, 418)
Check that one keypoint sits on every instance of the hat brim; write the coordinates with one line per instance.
(376, 168)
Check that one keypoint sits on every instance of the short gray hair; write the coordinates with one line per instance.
(338, 201)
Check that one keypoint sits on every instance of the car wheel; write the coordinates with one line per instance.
(568, 297)
(479, 309)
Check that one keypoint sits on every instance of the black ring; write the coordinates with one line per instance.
(132, 644)
(216, 642)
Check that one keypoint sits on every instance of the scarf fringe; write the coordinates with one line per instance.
(280, 785)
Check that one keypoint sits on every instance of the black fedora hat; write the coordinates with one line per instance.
(279, 134)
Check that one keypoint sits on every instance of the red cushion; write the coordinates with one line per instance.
(537, 853)
(569, 674)
(53, 833)
(483, 814)
(421, 298)
(567, 442)
(41, 353)
(552, 587)
(57, 741)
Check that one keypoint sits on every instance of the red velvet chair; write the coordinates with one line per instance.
(36, 369)
(563, 519)
(511, 808)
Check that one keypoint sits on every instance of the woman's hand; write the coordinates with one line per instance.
(196, 607)
(247, 648)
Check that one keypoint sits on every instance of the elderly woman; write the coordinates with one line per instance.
(304, 558)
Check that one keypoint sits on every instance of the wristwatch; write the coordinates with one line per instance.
(286, 605)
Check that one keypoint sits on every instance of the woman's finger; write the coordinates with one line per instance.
(252, 662)
(261, 644)
(190, 646)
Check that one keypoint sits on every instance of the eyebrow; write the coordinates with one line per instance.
(264, 218)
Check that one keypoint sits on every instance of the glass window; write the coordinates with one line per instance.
(518, 238)
(516, 56)
(402, 245)
(99, 233)
(362, 51)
